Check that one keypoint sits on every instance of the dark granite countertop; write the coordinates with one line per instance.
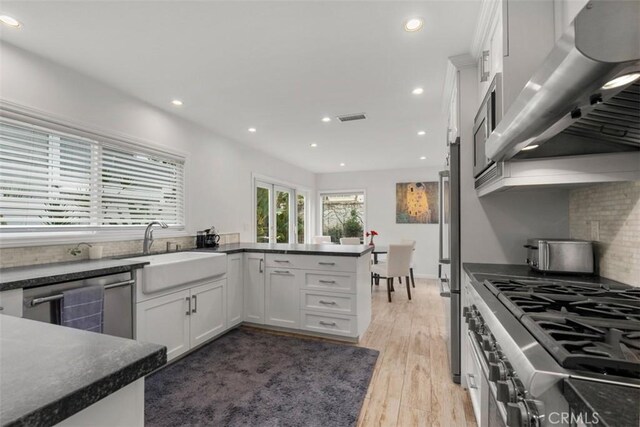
(613, 405)
(298, 249)
(51, 372)
(30, 276)
(523, 271)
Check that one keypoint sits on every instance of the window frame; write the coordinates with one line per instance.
(39, 235)
(319, 213)
(276, 184)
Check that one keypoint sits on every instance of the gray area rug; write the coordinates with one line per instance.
(253, 378)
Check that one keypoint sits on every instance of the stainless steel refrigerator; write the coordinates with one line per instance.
(449, 251)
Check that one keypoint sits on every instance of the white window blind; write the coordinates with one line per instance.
(50, 179)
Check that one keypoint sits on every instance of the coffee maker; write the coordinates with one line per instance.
(211, 238)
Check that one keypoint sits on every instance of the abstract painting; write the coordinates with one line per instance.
(417, 203)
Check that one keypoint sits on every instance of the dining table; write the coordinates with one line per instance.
(379, 250)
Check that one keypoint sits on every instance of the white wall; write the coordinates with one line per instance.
(380, 202)
(219, 187)
(494, 228)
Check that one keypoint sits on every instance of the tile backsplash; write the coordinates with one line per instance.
(31, 255)
(610, 215)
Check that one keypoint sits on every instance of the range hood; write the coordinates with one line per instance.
(568, 107)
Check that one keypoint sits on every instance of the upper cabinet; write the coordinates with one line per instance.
(513, 37)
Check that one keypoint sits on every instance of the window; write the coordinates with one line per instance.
(53, 180)
(342, 214)
(280, 213)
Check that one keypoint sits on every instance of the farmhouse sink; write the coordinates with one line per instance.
(178, 268)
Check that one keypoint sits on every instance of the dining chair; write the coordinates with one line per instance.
(412, 243)
(318, 240)
(349, 240)
(397, 265)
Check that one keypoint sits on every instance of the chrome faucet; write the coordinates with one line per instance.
(148, 235)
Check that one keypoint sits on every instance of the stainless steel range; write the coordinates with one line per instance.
(525, 336)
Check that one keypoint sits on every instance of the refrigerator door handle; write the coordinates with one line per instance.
(443, 174)
(445, 289)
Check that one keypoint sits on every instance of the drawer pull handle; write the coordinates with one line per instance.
(326, 263)
(327, 302)
(281, 260)
(322, 322)
(281, 271)
(330, 282)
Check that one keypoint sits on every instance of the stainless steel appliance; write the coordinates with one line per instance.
(43, 303)
(527, 336)
(211, 238)
(560, 255)
(449, 254)
(583, 98)
(488, 117)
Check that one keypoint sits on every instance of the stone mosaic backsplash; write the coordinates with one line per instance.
(31, 255)
(609, 214)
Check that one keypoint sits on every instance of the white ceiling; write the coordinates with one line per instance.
(273, 65)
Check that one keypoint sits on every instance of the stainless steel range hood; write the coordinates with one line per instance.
(566, 108)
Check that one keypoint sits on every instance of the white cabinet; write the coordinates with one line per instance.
(208, 307)
(165, 321)
(254, 287)
(184, 319)
(517, 36)
(282, 297)
(235, 284)
(11, 302)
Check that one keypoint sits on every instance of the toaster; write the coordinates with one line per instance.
(560, 255)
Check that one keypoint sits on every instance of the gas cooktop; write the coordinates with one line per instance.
(584, 326)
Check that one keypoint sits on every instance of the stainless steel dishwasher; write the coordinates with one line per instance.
(43, 303)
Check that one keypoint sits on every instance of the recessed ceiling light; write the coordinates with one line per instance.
(423, 158)
(417, 91)
(341, 164)
(421, 133)
(326, 119)
(314, 145)
(413, 24)
(177, 102)
(621, 80)
(10, 21)
(252, 130)
(530, 147)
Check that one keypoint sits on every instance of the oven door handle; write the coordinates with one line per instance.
(477, 354)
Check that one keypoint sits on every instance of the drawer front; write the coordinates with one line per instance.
(312, 262)
(329, 302)
(329, 323)
(337, 282)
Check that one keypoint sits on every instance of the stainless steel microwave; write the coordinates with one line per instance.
(486, 120)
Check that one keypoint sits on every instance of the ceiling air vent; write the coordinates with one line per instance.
(352, 117)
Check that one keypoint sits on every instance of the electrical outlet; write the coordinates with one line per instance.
(595, 230)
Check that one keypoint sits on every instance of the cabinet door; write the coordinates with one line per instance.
(234, 289)
(208, 306)
(282, 297)
(254, 288)
(165, 320)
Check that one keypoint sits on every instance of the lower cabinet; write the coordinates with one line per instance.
(183, 319)
(254, 288)
(208, 312)
(282, 297)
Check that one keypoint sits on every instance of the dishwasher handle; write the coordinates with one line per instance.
(41, 300)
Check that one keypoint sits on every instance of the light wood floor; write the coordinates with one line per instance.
(411, 385)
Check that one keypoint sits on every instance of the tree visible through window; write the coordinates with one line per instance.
(342, 215)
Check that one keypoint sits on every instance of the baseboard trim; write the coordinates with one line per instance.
(425, 276)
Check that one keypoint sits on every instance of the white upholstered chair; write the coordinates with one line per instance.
(318, 240)
(397, 265)
(412, 243)
(349, 240)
